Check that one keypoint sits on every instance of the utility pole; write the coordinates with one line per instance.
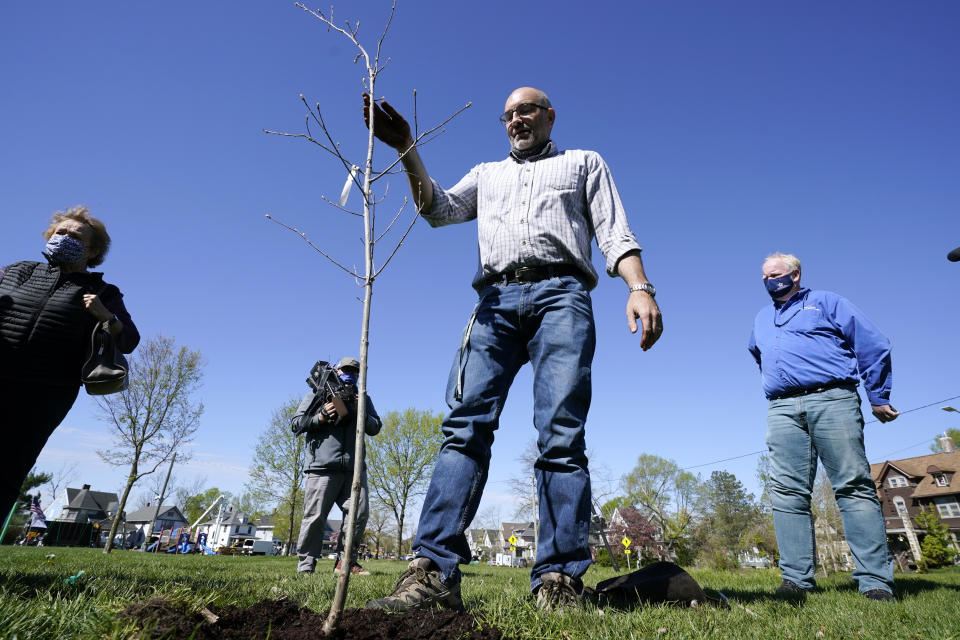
(536, 513)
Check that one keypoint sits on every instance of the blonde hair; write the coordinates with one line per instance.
(100, 239)
(791, 261)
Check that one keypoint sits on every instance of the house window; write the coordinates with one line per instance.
(900, 505)
(947, 507)
(940, 479)
(896, 482)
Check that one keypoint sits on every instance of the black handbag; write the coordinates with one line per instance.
(105, 370)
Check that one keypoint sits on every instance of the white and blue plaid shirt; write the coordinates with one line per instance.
(543, 211)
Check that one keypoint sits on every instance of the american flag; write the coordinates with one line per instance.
(37, 511)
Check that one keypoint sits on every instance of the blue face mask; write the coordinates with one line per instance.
(776, 287)
(347, 377)
(63, 249)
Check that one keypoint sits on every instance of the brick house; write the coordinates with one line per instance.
(907, 485)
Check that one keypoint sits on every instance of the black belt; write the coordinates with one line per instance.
(824, 387)
(532, 274)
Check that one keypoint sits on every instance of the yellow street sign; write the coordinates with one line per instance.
(625, 542)
(627, 551)
(512, 539)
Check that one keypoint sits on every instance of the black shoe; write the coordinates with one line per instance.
(791, 590)
(880, 595)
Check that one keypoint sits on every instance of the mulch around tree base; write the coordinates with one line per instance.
(287, 620)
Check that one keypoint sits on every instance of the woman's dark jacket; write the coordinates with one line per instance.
(44, 327)
(330, 447)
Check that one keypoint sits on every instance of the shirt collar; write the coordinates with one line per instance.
(550, 149)
(785, 311)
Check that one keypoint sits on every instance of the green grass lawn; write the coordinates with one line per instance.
(37, 599)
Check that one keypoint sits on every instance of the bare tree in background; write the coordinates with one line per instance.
(488, 517)
(61, 479)
(370, 239)
(523, 485)
(378, 526)
(277, 469)
(828, 523)
(178, 490)
(155, 416)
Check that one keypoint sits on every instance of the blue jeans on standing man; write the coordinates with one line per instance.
(827, 425)
(549, 324)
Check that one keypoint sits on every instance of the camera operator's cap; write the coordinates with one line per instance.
(348, 362)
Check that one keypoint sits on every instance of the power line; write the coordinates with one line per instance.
(753, 453)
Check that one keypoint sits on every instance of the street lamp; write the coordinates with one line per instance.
(949, 409)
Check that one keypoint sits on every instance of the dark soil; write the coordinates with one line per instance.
(287, 620)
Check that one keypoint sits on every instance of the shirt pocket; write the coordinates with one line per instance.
(561, 182)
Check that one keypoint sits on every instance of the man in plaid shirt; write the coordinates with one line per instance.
(537, 213)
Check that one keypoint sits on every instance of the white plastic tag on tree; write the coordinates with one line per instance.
(346, 185)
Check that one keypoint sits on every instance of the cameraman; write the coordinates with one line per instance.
(331, 443)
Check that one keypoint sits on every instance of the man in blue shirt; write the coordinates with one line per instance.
(812, 347)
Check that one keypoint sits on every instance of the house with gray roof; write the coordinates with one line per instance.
(86, 505)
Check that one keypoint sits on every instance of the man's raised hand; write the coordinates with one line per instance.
(388, 126)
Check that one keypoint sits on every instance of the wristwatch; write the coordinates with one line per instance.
(645, 287)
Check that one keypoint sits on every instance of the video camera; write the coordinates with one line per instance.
(328, 387)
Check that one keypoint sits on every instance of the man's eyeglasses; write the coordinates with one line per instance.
(522, 109)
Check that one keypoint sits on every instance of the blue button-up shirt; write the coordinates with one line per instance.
(817, 338)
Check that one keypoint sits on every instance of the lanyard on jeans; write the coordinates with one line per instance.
(461, 365)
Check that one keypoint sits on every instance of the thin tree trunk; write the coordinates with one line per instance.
(343, 578)
(400, 521)
(120, 507)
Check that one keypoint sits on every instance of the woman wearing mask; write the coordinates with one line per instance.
(47, 312)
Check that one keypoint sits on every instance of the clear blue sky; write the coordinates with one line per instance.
(733, 129)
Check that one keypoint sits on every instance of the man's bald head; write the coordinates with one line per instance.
(532, 129)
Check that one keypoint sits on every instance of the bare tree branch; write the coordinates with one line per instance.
(336, 205)
(399, 244)
(399, 211)
(313, 246)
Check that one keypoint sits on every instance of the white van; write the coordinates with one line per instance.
(253, 547)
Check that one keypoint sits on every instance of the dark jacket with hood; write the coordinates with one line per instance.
(44, 327)
(331, 447)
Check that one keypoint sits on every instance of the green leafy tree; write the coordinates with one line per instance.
(727, 511)
(252, 503)
(21, 513)
(155, 416)
(611, 505)
(935, 547)
(195, 505)
(400, 458)
(34, 480)
(667, 493)
(953, 434)
(276, 474)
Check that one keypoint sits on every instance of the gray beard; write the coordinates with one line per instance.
(529, 153)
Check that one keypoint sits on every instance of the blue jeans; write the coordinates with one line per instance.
(827, 425)
(549, 324)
